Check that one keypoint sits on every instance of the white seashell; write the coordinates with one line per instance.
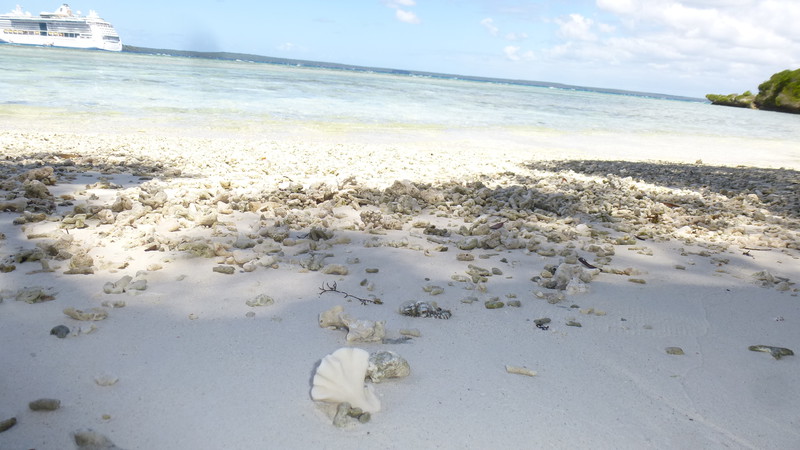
(340, 378)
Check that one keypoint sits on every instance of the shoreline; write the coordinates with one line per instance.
(697, 256)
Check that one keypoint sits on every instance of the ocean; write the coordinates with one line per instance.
(197, 93)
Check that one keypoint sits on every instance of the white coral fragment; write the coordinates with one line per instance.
(340, 378)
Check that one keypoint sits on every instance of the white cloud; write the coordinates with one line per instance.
(575, 26)
(403, 15)
(727, 40)
(488, 23)
(514, 53)
(406, 16)
(398, 3)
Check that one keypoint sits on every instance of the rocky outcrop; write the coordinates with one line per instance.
(780, 93)
(737, 100)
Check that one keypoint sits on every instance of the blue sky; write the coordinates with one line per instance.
(681, 47)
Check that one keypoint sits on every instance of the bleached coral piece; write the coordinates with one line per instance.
(333, 318)
(362, 330)
(340, 378)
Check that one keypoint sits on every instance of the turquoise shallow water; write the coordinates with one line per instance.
(203, 92)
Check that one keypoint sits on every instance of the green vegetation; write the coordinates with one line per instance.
(780, 93)
(741, 101)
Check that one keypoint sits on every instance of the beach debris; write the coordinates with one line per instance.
(45, 404)
(514, 303)
(358, 330)
(674, 351)
(344, 412)
(767, 279)
(493, 303)
(224, 269)
(550, 297)
(340, 378)
(91, 440)
(60, 331)
(411, 332)
(317, 234)
(386, 364)
(573, 323)
(776, 352)
(341, 418)
(332, 318)
(114, 304)
(17, 205)
(106, 380)
(125, 284)
(542, 323)
(260, 300)
(520, 371)
(592, 311)
(332, 287)
(93, 314)
(362, 330)
(335, 269)
(424, 309)
(33, 295)
(7, 424)
(432, 289)
(586, 263)
(570, 278)
(81, 264)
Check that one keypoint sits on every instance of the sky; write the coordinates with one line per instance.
(678, 47)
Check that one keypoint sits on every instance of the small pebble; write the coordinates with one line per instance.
(371, 270)
(573, 323)
(8, 423)
(342, 413)
(414, 332)
(493, 304)
(227, 270)
(60, 331)
(45, 404)
(521, 371)
(106, 380)
(674, 350)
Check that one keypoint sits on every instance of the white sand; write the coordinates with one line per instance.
(195, 372)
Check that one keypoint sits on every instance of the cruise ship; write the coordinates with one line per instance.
(61, 28)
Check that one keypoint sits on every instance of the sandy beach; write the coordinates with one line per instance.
(166, 288)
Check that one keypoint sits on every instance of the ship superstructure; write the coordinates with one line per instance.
(61, 28)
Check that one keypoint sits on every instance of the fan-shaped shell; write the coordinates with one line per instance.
(340, 378)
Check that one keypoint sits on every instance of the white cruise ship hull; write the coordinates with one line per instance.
(59, 30)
